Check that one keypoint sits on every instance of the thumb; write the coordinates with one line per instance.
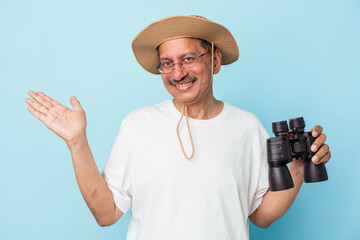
(75, 103)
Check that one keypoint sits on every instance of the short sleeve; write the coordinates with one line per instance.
(118, 170)
(262, 178)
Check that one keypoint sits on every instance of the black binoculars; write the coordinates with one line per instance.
(281, 149)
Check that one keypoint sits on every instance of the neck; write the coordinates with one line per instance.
(203, 110)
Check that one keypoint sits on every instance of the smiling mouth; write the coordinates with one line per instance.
(184, 85)
(183, 82)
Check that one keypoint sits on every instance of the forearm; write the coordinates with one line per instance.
(276, 204)
(92, 185)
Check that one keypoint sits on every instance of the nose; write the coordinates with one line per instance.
(178, 73)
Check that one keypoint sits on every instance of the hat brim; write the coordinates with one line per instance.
(145, 43)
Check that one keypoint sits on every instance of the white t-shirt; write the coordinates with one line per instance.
(208, 197)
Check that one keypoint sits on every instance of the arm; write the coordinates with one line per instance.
(71, 126)
(276, 204)
(92, 185)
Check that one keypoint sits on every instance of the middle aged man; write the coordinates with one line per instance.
(201, 178)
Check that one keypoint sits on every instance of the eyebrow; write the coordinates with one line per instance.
(181, 56)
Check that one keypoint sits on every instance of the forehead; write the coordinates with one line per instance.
(180, 46)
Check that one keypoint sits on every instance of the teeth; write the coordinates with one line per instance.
(184, 84)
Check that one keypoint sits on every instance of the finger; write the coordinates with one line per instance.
(38, 98)
(36, 106)
(75, 103)
(290, 134)
(36, 113)
(316, 131)
(324, 159)
(324, 149)
(319, 141)
(52, 101)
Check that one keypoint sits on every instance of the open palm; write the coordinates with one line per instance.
(67, 124)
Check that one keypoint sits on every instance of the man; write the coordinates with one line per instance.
(202, 182)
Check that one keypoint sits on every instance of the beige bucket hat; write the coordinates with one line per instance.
(145, 43)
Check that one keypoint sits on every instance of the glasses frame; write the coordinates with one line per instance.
(180, 64)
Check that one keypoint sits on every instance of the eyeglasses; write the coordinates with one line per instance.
(186, 62)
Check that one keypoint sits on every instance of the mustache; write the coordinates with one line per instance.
(186, 78)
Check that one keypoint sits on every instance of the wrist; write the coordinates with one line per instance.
(77, 142)
(296, 169)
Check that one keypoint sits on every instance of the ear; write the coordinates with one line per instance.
(217, 61)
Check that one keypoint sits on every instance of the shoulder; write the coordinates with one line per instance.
(148, 113)
(243, 116)
(246, 121)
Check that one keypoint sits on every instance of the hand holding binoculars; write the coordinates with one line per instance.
(281, 149)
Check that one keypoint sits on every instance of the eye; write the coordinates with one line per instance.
(187, 60)
(166, 64)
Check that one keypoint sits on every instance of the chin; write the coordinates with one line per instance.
(185, 101)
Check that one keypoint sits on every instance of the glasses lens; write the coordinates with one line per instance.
(165, 67)
(188, 62)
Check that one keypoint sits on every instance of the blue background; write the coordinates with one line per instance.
(297, 58)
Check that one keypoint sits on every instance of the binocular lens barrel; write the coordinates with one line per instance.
(278, 155)
(314, 172)
(280, 178)
(297, 123)
(279, 127)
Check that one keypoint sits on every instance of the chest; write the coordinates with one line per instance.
(219, 164)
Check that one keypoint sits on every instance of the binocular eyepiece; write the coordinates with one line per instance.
(281, 149)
